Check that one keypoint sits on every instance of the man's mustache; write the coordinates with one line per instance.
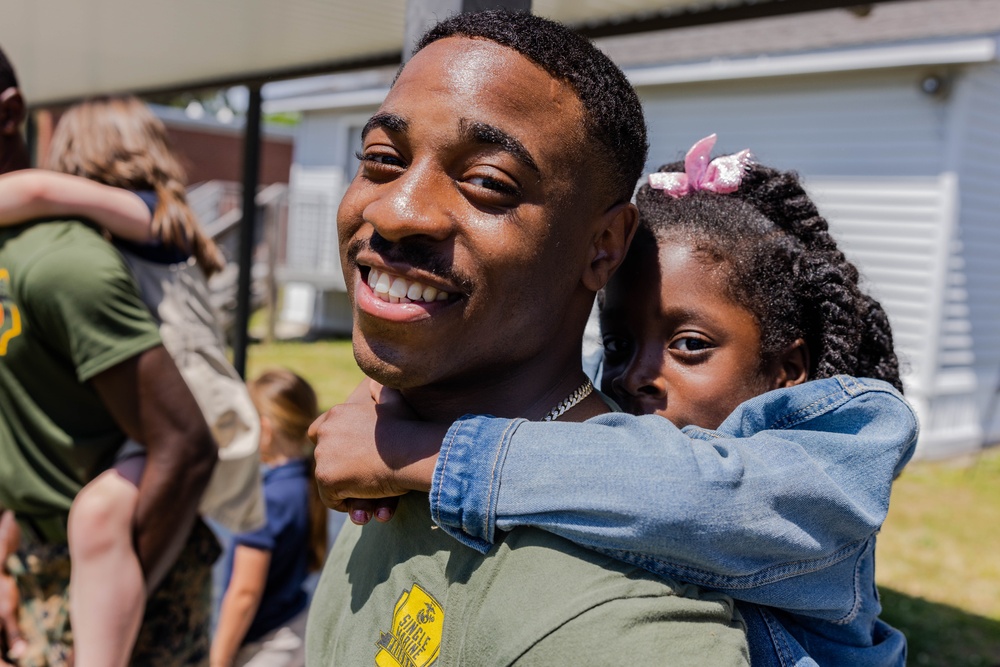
(419, 255)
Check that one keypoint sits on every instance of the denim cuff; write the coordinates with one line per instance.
(467, 478)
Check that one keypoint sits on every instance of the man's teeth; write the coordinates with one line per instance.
(395, 289)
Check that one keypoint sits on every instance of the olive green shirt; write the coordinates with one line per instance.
(69, 310)
(405, 594)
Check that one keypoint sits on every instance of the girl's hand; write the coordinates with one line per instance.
(371, 450)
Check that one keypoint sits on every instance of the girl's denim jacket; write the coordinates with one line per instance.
(778, 507)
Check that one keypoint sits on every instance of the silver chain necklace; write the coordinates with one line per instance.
(582, 392)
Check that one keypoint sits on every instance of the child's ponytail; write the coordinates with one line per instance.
(832, 301)
(174, 223)
(289, 403)
(876, 355)
(855, 331)
(779, 195)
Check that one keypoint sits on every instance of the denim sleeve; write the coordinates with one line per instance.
(775, 507)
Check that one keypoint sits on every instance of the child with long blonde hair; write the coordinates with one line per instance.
(263, 613)
(118, 142)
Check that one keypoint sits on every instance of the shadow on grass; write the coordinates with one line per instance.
(939, 635)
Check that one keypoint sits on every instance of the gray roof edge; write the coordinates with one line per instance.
(954, 51)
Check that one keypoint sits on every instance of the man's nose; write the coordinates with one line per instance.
(414, 204)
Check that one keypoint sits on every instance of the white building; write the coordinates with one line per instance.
(892, 119)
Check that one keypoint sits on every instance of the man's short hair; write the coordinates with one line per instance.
(7, 77)
(612, 111)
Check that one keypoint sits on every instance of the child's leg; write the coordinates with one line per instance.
(107, 588)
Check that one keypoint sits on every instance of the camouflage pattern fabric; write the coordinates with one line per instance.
(42, 573)
(175, 629)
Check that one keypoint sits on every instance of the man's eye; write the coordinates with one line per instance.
(379, 159)
(496, 185)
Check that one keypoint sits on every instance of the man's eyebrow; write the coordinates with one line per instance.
(483, 133)
(389, 121)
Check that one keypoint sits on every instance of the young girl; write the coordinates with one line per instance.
(759, 483)
(119, 142)
(263, 614)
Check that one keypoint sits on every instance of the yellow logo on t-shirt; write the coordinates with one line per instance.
(415, 637)
(10, 317)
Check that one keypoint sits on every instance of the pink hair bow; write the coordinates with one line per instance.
(722, 175)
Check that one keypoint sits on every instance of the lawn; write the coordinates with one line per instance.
(938, 561)
(938, 564)
(328, 365)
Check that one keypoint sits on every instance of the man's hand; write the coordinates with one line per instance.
(372, 449)
(10, 634)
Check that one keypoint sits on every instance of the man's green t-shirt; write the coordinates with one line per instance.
(405, 594)
(69, 310)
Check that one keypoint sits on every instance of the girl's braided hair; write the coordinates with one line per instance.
(784, 267)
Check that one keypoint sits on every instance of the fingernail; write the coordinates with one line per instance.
(383, 513)
(360, 517)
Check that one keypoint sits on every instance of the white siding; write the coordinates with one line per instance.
(897, 230)
(971, 346)
(322, 167)
(316, 184)
(311, 252)
(863, 123)
(891, 229)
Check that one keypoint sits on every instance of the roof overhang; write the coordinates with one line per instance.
(945, 52)
(68, 49)
(961, 51)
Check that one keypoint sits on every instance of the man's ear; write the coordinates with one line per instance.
(791, 367)
(610, 243)
(12, 111)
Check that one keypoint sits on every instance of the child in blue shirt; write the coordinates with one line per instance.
(737, 318)
(263, 613)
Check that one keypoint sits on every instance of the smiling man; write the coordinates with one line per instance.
(491, 203)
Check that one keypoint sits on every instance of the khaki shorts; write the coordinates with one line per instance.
(284, 646)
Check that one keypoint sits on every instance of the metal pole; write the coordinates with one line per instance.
(251, 171)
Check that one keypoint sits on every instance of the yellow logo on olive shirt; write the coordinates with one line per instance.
(10, 317)
(415, 637)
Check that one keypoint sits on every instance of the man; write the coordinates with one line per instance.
(491, 203)
(81, 366)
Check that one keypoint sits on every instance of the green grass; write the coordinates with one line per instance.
(938, 561)
(938, 564)
(328, 365)
(940, 635)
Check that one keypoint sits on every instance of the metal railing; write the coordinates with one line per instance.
(218, 206)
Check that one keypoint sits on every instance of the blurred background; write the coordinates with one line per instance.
(889, 110)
